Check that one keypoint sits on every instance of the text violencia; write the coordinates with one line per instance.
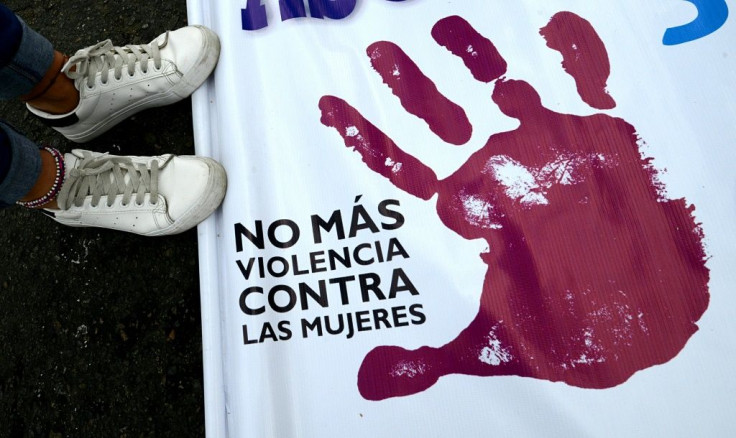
(325, 293)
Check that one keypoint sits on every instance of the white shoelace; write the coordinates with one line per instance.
(108, 176)
(103, 57)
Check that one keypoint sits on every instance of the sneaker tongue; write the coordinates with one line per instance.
(70, 161)
(73, 159)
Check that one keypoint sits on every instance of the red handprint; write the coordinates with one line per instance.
(592, 274)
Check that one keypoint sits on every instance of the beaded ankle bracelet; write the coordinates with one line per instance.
(58, 180)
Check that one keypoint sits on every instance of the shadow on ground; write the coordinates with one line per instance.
(100, 331)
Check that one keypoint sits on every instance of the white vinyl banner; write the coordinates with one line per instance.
(470, 218)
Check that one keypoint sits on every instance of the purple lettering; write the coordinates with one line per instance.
(255, 17)
(335, 9)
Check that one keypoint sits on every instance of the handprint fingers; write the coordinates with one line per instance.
(514, 98)
(584, 56)
(418, 94)
(477, 52)
(379, 152)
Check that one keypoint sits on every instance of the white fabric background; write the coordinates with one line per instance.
(259, 116)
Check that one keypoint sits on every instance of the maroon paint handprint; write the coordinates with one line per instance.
(592, 274)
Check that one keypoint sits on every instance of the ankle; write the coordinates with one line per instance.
(55, 93)
(43, 193)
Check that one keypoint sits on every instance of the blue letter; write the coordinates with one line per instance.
(254, 15)
(292, 9)
(712, 14)
(335, 9)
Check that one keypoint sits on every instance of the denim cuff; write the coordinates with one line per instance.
(24, 169)
(11, 32)
(29, 65)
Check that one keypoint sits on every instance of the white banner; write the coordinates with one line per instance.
(470, 218)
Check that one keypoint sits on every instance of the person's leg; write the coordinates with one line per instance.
(26, 171)
(151, 196)
(81, 96)
(144, 195)
(112, 83)
(10, 35)
(30, 68)
(20, 166)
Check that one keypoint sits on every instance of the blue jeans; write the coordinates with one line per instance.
(25, 56)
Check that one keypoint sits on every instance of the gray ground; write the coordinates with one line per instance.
(100, 331)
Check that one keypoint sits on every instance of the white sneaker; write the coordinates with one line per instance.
(116, 82)
(151, 196)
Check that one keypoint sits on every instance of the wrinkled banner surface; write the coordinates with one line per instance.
(470, 218)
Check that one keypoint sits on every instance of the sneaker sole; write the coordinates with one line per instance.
(186, 86)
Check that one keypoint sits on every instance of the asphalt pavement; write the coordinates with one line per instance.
(100, 331)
